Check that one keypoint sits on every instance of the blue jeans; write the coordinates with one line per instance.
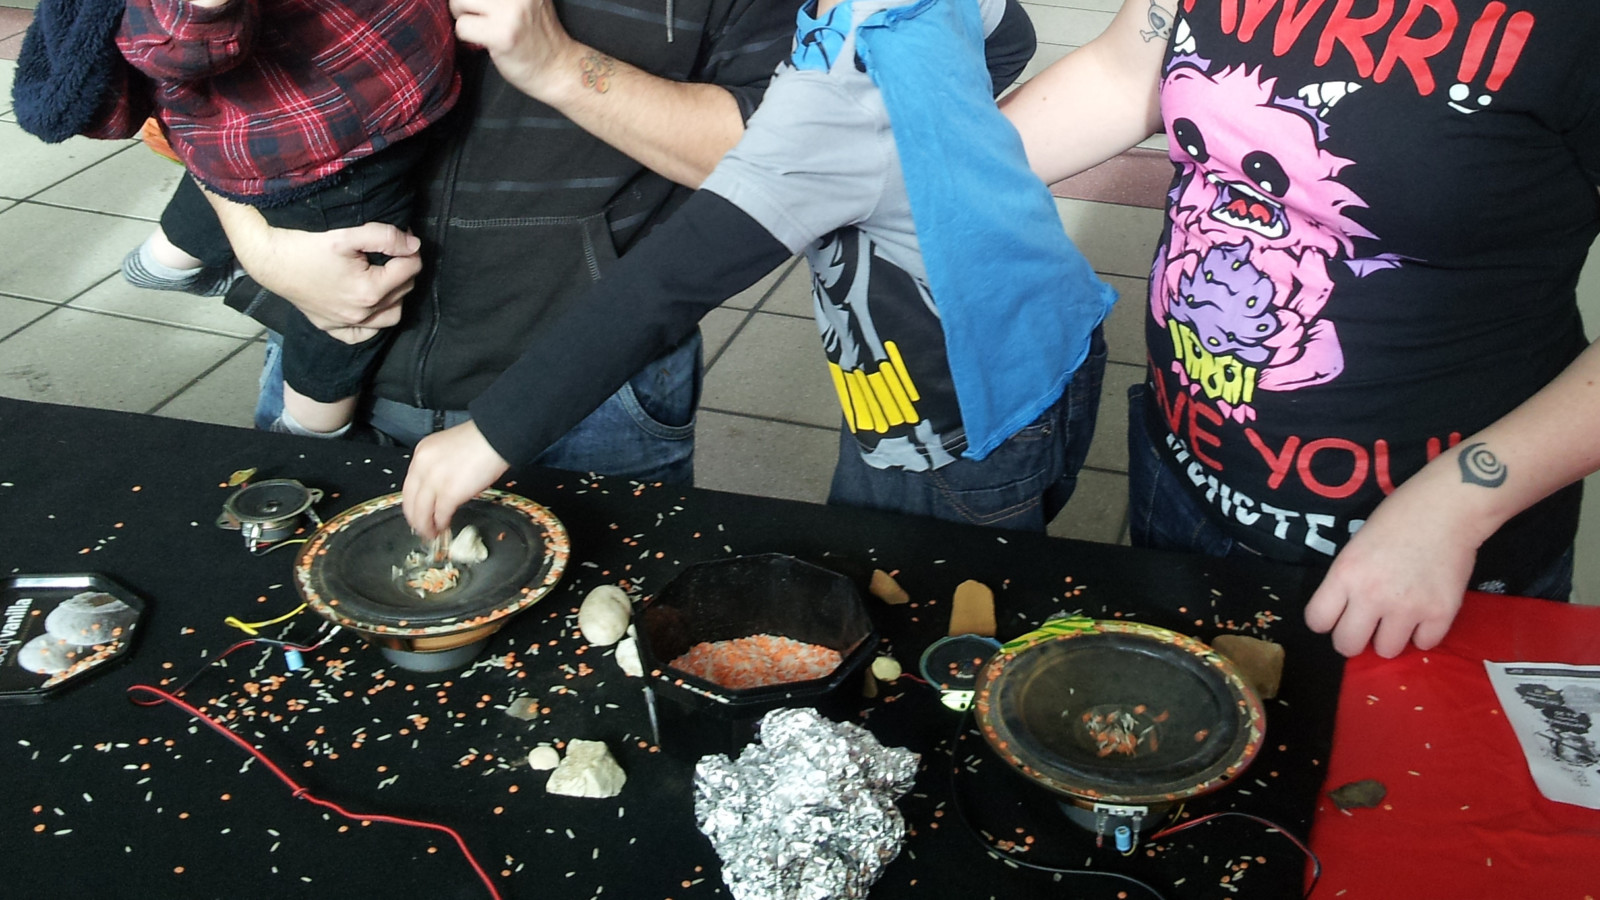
(1163, 514)
(645, 431)
(1020, 486)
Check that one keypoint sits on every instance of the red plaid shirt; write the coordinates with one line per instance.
(261, 98)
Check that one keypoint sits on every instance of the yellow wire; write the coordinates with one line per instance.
(250, 627)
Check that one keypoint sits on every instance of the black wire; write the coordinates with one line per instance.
(195, 675)
(1005, 857)
(955, 801)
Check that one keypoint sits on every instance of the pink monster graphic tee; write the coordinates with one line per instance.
(1375, 228)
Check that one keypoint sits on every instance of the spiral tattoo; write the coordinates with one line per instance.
(1480, 466)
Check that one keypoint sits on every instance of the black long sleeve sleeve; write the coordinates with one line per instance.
(642, 306)
(1010, 47)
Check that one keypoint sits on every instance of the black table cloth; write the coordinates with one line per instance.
(105, 798)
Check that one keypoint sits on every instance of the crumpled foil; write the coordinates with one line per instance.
(807, 814)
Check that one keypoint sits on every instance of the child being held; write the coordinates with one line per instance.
(307, 110)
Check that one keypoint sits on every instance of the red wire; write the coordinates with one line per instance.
(300, 793)
(1316, 864)
(224, 655)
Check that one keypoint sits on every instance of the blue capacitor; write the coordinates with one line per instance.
(1124, 839)
(291, 658)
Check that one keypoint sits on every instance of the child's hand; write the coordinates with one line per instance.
(447, 469)
(524, 38)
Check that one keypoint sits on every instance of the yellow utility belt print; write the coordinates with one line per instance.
(877, 401)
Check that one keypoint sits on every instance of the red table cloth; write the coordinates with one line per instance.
(1462, 817)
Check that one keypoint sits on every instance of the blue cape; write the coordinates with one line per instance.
(1018, 302)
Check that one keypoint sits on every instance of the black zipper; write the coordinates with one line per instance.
(433, 307)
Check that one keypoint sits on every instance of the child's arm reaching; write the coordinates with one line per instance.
(644, 305)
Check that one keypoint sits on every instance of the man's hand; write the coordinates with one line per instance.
(1400, 579)
(326, 274)
(524, 38)
(447, 469)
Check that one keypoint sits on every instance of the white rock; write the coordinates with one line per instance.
(886, 668)
(603, 617)
(543, 758)
(588, 771)
(628, 657)
(466, 548)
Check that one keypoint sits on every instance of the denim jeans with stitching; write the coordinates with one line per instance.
(644, 432)
(1020, 486)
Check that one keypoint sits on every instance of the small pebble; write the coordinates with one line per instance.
(886, 668)
(543, 758)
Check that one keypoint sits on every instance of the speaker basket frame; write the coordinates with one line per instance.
(998, 714)
(415, 631)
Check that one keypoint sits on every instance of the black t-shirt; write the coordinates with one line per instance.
(1377, 222)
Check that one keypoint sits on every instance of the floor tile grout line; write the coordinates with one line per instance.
(1101, 470)
(243, 346)
(786, 315)
(769, 419)
(777, 283)
(737, 329)
(132, 142)
(52, 307)
(67, 304)
(198, 329)
(128, 217)
(705, 368)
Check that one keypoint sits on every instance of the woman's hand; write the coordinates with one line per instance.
(1401, 578)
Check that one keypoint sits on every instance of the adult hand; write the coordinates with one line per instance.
(1400, 579)
(327, 274)
(524, 38)
(448, 468)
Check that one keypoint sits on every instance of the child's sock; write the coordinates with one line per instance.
(140, 268)
(286, 424)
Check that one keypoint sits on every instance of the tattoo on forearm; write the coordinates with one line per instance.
(1480, 466)
(597, 69)
(1160, 18)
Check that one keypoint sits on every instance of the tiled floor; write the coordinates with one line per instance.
(71, 331)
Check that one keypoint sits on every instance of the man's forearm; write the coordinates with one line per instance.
(679, 130)
(707, 251)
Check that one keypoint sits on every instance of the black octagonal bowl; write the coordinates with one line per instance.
(743, 596)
